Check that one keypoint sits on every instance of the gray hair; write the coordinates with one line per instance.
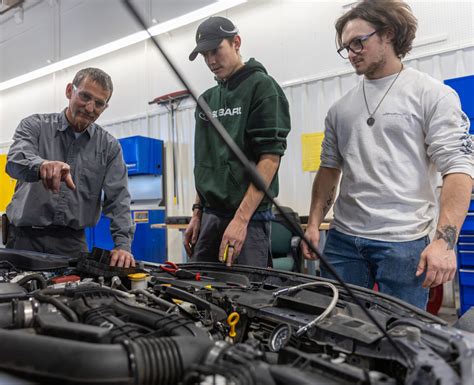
(96, 75)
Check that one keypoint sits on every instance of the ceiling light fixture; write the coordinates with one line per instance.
(167, 26)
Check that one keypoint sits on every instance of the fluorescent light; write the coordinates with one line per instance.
(159, 29)
(85, 56)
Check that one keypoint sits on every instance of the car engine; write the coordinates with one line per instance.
(77, 320)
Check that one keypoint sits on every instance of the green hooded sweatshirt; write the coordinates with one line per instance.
(254, 110)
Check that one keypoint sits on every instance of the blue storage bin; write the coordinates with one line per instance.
(142, 155)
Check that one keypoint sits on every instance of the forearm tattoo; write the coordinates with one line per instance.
(329, 200)
(448, 233)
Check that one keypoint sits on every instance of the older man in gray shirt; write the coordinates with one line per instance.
(62, 162)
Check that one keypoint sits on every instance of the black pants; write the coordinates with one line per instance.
(255, 251)
(52, 240)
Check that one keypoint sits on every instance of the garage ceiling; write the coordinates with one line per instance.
(47, 31)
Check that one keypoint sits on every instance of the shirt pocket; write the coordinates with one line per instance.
(92, 176)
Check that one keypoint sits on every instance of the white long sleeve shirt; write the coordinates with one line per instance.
(390, 170)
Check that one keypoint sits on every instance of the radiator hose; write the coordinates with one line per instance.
(143, 361)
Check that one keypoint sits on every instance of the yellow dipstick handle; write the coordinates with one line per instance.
(232, 320)
(226, 252)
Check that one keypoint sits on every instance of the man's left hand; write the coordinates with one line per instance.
(121, 258)
(439, 263)
(232, 240)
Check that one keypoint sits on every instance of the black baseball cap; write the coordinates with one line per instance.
(211, 32)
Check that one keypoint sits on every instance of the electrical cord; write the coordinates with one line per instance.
(255, 177)
(324, 314)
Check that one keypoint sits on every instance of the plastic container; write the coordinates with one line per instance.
(139, 280)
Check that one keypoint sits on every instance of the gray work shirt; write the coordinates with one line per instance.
(97, 164)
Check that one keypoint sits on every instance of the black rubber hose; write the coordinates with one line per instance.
(145, 361)
(46, 296)
(167, 323)
(6, 315)
(165, 360)
(38, 277)
(64, 360)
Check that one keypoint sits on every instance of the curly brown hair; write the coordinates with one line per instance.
(385, 15)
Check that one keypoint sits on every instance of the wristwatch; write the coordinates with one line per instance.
(197, 206)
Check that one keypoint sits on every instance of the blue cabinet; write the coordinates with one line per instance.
(144, 159)
(465, 252)
(148, 244)
(464, 86)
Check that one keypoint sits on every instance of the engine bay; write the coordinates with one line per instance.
(69, 320)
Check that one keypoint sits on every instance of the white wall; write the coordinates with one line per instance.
(294, 40)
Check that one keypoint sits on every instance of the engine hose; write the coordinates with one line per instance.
(154, 298)
(145, 361)
(168, 324)
(17, 314)
(46, 296)
(6, 314)
(58, 359)
(165, 360)
(38, 277)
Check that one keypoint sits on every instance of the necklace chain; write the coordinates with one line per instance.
(371, 120)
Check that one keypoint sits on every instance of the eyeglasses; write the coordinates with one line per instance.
(86, 97)
(355, 45)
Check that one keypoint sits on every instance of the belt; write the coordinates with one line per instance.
(50, 227)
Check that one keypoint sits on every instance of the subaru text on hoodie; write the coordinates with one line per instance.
(254, 110)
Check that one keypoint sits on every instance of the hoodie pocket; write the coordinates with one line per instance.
(219, 186)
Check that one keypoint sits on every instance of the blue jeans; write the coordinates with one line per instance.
(362, 262)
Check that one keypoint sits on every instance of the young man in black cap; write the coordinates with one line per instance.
(231, 219)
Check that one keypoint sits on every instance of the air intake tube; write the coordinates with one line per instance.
(143, 361)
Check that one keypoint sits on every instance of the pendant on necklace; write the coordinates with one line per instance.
(370, 121)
